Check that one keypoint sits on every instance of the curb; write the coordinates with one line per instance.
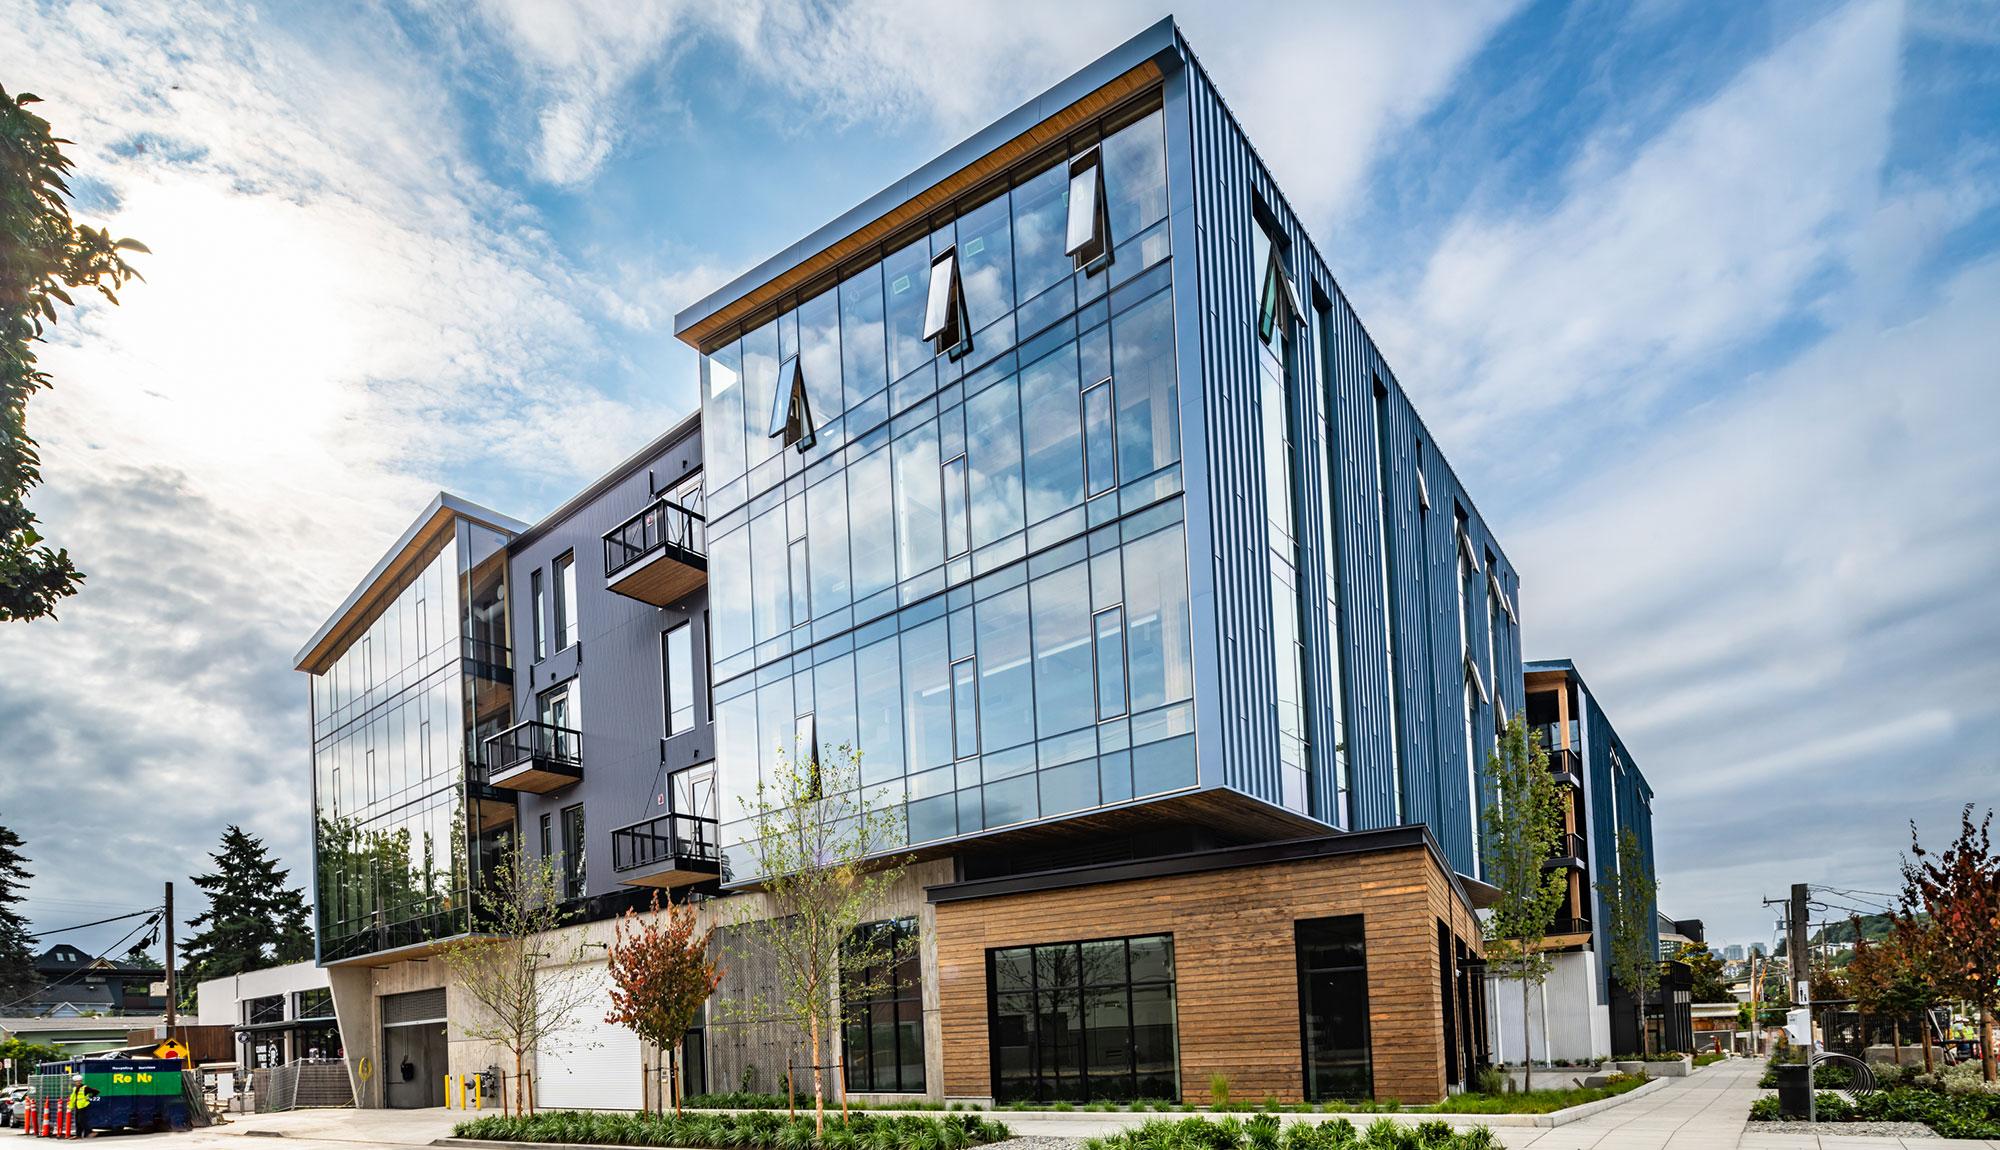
(1017, 1120)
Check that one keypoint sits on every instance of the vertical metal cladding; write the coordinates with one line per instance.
(1228, 180)
(1621, 800)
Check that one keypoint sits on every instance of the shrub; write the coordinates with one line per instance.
(1711, 1057)
(1218, 1089)
(1489, 1080)
(1264, 1133)
(1538, 1101)
(1949, 1115)
(763, 1130)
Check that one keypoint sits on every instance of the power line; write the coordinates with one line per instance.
(68, 980)
(100, 922)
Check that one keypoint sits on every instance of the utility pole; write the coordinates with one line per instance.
(1801, 959)
(172, 990)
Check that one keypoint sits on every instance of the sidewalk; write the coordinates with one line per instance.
(1709, 1110)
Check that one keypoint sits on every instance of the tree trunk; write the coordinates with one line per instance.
(1527, 1053)
(520, 1087)
(819, 1095)
(1926, 1031)
(1986, 1039)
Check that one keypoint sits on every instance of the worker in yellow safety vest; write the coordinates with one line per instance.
(81, 1096)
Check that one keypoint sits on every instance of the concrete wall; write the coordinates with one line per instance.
(218, 999)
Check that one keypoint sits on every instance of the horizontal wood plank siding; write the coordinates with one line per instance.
(1235, 965)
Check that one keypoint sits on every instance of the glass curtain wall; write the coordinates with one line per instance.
(976, 576)
(1274, 403)
(396, 722)
(1084, 1021)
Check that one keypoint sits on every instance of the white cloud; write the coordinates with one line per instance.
(1641, 277)
(338, 307)
(1787, 603)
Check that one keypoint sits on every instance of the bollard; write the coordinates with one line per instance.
(479, 1092)
(28, 1116)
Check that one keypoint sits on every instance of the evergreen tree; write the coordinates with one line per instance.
(253, 919)
(142, 958)
(17, 944)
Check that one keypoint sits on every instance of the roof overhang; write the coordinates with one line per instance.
(416, 951)
(392, 573)
(1134, 66)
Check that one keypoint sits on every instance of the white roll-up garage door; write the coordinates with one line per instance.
(592, 1064)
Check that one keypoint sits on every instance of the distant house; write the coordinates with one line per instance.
(77, 984)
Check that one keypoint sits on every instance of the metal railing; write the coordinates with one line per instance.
(533, 742)
(1566, 763)
(1569, 846)
(664, 524)
(664, 839)
(1567, 924)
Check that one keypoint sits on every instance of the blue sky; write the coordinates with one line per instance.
(1699, 299)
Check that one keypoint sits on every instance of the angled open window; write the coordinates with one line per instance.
(1423, 492)
(1087, 239)
(1278, 299)
(791, 411)
(1478, 680)
(945, 323)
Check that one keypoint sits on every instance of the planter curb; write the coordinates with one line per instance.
(1021, 1120)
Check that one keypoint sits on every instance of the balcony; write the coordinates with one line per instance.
(1567, 767)
(668, 851)
(658, 555)
(1569, 852)
(534, 757)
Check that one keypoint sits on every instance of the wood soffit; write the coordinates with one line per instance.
(915, 211)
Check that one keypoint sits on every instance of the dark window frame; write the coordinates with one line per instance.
(1047, 1082)
(1306, 1013)
(901, 989)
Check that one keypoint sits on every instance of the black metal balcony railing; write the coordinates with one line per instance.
(665, 525)
(1565, 924)
(535, 757)
(1569, 846)
(1567, 766)
(490, 661)
(685, 848)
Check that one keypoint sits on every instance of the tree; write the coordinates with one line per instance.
(525, 977)
(1523, 824)
(660, 976)
(27, 1057)
(1707, 971)
(253, 919)
(1958, 890)
(1888, 976)
(18, 979)
(42, 255)
(815, 832)
(141, 958)
(1629, 916)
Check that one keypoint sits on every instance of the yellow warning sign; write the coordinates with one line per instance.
(171, 1048)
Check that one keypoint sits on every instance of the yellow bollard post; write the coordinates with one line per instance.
(479, 1092)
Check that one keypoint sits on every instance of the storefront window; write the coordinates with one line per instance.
(1084, 1021)
(883, 1005)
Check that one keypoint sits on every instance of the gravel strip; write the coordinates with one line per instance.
(1856, 1129)
(1034, 1142)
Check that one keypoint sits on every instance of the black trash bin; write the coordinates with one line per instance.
(1795, 1090)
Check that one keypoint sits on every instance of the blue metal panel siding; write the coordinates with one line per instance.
(1615, 783)
(1227, 179)
(616, 665)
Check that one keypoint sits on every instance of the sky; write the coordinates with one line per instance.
(1699, 299)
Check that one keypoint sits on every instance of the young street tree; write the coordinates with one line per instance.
(1522, 826)
(1706, 970)
(526, 980)
(660, 976)
(1887, 976)
(1958, 891)
(17, 945)
(253, 919)
(1628, 910)
(42, 255)
(814, 831)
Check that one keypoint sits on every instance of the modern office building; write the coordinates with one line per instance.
(1583, 1015)
(1060, 482)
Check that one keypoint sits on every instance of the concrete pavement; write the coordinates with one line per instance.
(1707, 1111)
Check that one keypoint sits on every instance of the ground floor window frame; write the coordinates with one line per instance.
(1084, 1021)
(1336, 1056)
